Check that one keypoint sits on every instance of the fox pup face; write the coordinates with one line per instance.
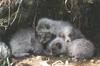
(56, 47)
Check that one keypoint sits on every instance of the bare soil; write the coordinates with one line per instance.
(53, 61)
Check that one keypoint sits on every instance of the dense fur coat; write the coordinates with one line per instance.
(81, 48)
(23, 42)
(78, 48)
(4, 50)
(59, 28)
(57, 47)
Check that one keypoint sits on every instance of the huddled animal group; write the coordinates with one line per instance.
(51, 38)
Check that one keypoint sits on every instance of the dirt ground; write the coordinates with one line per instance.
(53, 61)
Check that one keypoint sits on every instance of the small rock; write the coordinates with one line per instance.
(44, 63)
(38, 57)
(67, 62)
(92, 61)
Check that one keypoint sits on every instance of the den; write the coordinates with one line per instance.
(49, 33)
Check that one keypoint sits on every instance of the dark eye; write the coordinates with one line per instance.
(47, 26)
(62, 35)
(70, 35)
(58, 45)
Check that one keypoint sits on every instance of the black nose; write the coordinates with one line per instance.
(68, 41)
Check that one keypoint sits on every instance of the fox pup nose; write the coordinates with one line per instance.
(67, 39)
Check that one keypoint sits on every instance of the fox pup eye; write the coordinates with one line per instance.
(47, 26)
(58, 45)
(70, 35)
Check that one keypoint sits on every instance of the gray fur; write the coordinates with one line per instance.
(45, 38)
(58, 28)
(81, 48)
(24, 41)
(57, 47)
(4, 50)
(78, 48)
(52, 26)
